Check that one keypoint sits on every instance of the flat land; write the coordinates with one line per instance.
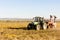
(23, 34)
(20, 34)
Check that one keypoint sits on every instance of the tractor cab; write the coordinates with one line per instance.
(37, 20)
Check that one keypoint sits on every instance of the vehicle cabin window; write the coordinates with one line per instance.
(37, 19)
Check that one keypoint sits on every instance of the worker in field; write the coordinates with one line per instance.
(52, 21)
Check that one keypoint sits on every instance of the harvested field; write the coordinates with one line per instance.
(17, 24)
(14, 24)
(20, 34)
(23, 34)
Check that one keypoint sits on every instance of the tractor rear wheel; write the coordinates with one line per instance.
(38, 27)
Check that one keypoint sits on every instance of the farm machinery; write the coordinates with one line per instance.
(37, 24)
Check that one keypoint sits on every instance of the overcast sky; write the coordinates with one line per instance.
(29, 8)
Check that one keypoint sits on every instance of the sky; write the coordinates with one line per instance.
(29, 8)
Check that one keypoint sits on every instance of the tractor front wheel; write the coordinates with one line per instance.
(28, 27)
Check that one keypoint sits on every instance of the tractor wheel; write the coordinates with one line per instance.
(38, 27)
(28, 27)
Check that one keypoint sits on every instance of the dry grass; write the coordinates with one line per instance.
(58, 24)
(20, 34)
(13, 24)
(17, 24)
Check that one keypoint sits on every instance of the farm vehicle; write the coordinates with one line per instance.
(37, 24)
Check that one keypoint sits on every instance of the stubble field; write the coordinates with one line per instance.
(24, 34)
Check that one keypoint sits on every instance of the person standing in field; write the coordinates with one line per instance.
(52, 22)
(55, 21)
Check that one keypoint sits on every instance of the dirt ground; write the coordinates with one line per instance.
(21, 34)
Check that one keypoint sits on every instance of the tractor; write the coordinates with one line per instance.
(37, 24)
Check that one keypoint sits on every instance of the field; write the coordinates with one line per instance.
(13, 24)
(24, 34)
